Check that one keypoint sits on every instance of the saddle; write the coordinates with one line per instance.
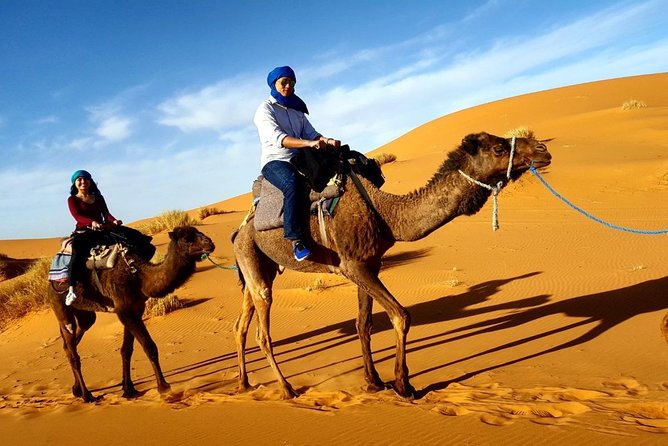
(104, 257)
(324, 172)
(101, 257)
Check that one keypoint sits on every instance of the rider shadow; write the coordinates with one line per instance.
(605, 310)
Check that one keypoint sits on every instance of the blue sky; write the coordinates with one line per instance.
(156, 98)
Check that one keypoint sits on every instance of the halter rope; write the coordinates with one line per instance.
(206, 257)
(590, 216)
(495, 189)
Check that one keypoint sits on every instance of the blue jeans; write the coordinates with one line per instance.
(285, 177)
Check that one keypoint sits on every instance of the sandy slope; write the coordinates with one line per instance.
(544, 331)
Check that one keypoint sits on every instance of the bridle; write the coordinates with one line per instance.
(495, 189)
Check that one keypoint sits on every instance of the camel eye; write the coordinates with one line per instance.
(499, 149)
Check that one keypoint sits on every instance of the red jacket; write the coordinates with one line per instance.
(85, 213)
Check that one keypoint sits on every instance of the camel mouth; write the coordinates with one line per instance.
(538, 163)
(203, 251)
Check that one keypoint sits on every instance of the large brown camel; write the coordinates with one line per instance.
(124, 290)
(359, 234)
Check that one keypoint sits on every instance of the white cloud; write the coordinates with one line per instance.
(114, 128)
(227, 104)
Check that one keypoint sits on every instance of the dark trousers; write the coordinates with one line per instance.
(285, 177)
(84, 241)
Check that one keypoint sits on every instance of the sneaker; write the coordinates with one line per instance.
(300, 250)
(71, 297)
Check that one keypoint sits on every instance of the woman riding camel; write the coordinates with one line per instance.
(284, 130)
(94, 223)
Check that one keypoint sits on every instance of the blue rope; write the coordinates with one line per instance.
(588, 215)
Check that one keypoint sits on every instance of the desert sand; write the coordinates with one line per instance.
(545, 331)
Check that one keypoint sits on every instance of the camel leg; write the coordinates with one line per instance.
(262, 302)
(129, 390)
(70, 341)
(71, 334)
(364, 327)
(360, 274)
(241, 334)
(134, 324)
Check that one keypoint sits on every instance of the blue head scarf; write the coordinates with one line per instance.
(293, 101)
(81, 173)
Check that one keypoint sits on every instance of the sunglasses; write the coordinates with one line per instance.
(287, 81)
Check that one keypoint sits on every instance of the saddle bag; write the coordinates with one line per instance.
(103, 257)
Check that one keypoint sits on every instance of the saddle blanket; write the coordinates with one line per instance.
(269, 209)
(101, 257)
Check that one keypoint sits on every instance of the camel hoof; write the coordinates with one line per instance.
(89, 398)
(164, 388)
(289, 394)
(406, 391)
(131, 393)
(376, 387)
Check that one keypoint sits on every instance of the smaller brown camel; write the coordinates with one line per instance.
(125, 288)
(360, 233)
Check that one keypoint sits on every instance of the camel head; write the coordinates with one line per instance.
(190, 242)
(489, 155)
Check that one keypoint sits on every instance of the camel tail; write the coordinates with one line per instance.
(242, 280)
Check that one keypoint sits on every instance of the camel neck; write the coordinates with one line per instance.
(415, 215)
(160, 279)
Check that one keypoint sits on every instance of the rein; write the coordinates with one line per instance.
(206, 257)
(495, 189)
(588, 215)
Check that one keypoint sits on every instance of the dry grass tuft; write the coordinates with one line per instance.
(520, 132)
(162, 306)
(167, 221)
(208, 212)
(317, 285)
(385, 158)
(633, 104)
(25, 293)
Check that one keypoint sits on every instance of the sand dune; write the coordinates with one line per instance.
(544, 331)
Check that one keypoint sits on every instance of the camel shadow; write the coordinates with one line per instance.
(340, 333)
(604, 310)
(402, 258)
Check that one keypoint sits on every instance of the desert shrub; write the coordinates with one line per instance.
(207, 212)
(520, 132)
(317, 285)
(25, 293)
(633, 104)
(161, 306)
(167, 221)
(385, 158)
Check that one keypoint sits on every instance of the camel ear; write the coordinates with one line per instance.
(172, 236)
(471, 143)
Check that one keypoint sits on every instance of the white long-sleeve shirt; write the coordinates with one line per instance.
(274, 122)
